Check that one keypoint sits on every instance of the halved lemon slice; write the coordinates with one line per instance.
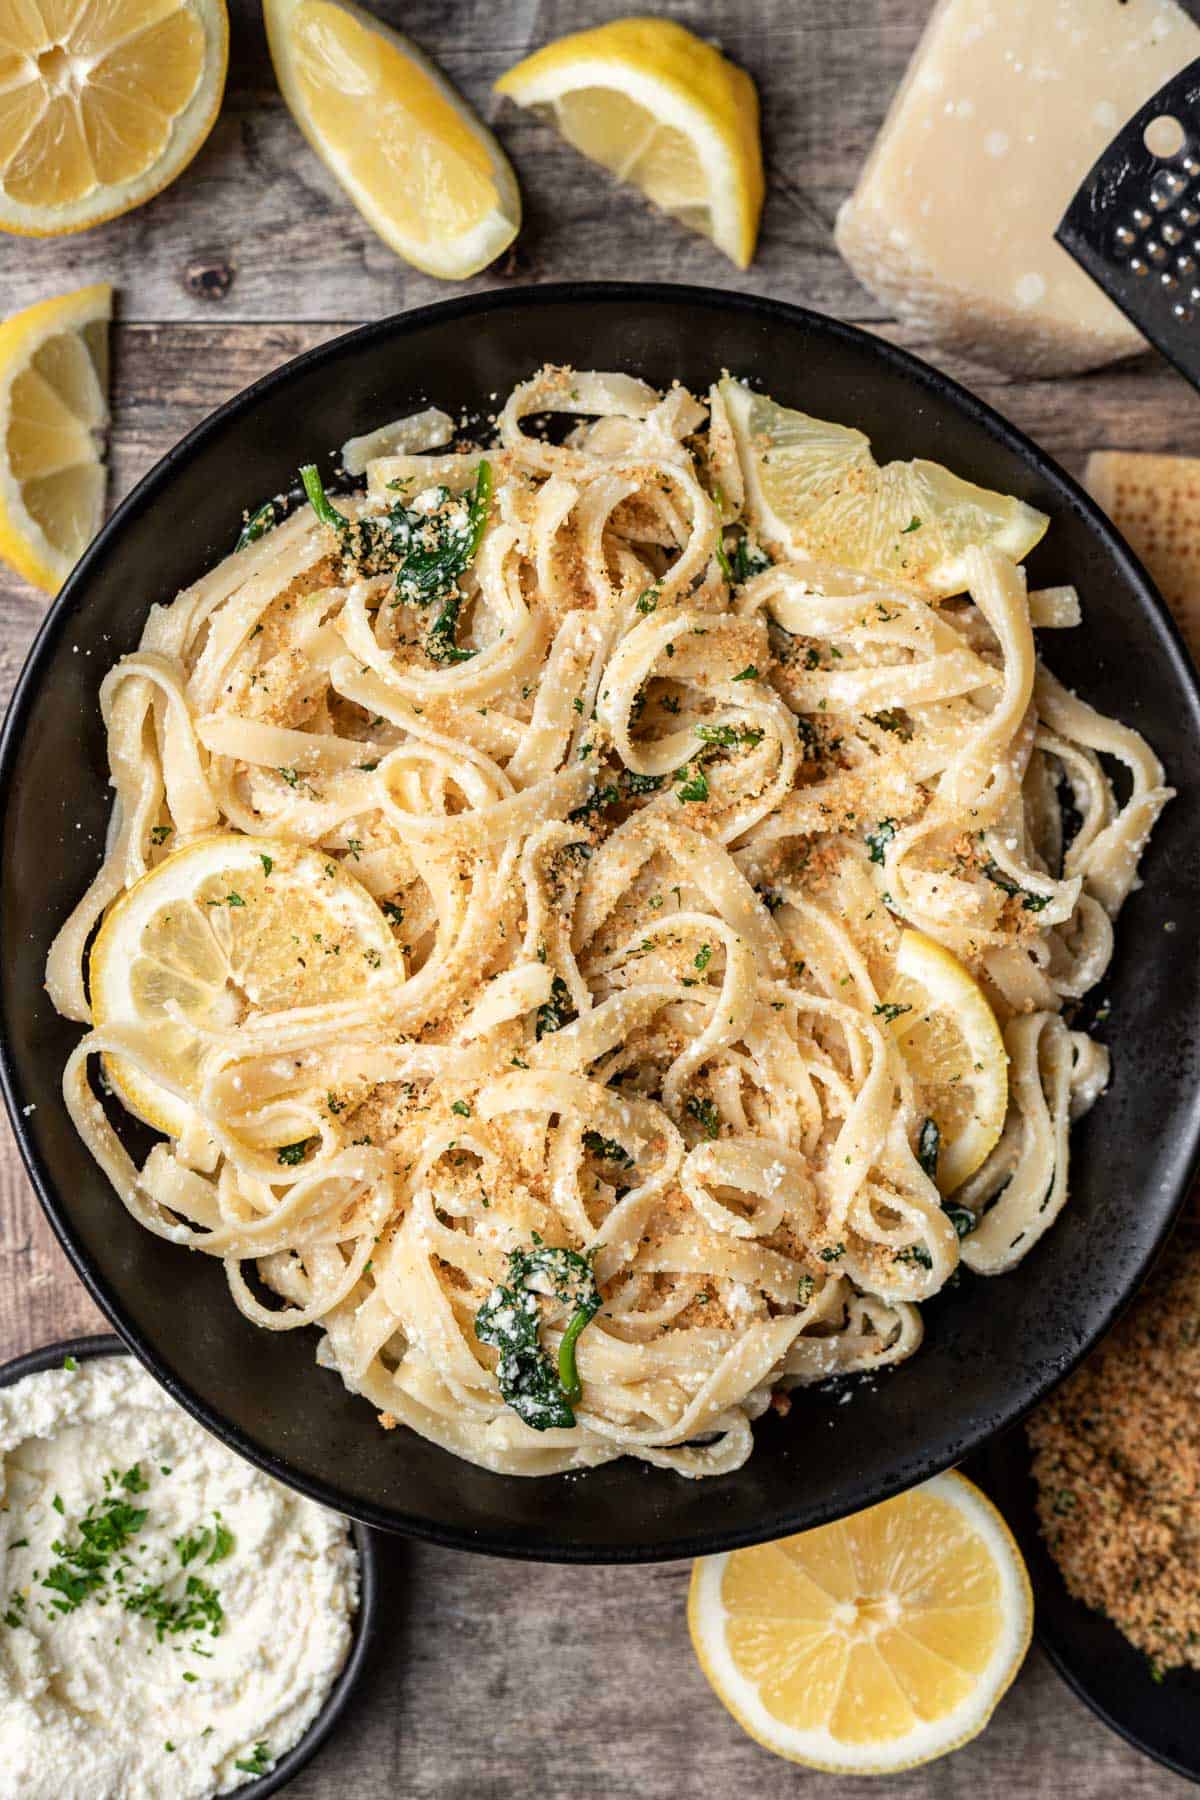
(813, 486)
(657, 106)
(53, 416)
(423, 171)
(872, 1645)
(226, 927)
(952, 1044)
(102, 105)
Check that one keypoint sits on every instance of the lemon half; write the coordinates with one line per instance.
(225, 927)
(954, 1049)
(101, 105)
(871, 1645)
(53, 417)
(659, 107)
(814, 487)
(420, 167)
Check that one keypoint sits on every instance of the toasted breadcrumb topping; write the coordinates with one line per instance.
(1117, 1466)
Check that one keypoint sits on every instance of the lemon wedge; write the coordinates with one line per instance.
(53, 416)
(872, 1645)
(228, 927)
(814, 487)
(657, 106)
(423, 171)
(101, 106)
(950, 1040)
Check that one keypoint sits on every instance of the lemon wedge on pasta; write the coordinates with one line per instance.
(814, 487)
(872, 1645)
(53, 417)
(951, 1042)
(227, 928)
(657, 106)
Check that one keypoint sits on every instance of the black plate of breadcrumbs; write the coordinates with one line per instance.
(1102, 1490)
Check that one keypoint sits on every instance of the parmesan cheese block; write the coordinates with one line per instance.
(1004, 108)
(1154, 502)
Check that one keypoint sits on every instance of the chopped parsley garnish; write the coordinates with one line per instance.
(891, 1010)
(70, 1365)
(213, 1543)
(159, 833)
(725, 737)
(744, 560)
(461, 1108)
(197, 1608)
(915, 1253)
(649, 597)
(258, 522)
(557, 1011)
(914, 524)
(393, 912)
(691, 783)
(16, 1606)
(102, 1534)
(893, 720)
(318, 499)
(293, 1154)
(633, 783)
(804, 1290)
(705, 1114)
(832, 1252)
(1030, 902)
(597, 800)
(608, 1149)
(258, 1762)
(929, 1144)
(425, 552)
(749, 673)
(879, 839)
(703, 957)
(509, 1319)
(266, 861)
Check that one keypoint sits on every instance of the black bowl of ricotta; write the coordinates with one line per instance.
(992, 1349)
(337, 1701)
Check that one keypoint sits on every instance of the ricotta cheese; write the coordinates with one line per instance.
(171, 1619)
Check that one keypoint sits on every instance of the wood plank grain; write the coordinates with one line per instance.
(257, 199)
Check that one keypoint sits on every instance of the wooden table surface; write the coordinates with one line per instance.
(497, 1680)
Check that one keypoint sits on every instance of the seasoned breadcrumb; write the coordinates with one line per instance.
(1117, 1466)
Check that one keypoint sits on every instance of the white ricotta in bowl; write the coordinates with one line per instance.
(171, 1619)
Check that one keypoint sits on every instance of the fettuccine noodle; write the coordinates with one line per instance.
(646, 838)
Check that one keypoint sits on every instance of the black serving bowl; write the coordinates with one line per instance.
(1158, 1715)
(992, 1349)
(82, 1349)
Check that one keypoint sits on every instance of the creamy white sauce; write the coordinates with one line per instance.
(93, 1705)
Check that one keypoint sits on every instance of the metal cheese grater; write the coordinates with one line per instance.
(1134, 225)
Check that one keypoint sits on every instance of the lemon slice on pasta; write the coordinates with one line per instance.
(228, 927)
(951, 1042)
(815, 487)
(872, 1645)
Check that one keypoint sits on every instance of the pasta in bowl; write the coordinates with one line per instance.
(600, 960)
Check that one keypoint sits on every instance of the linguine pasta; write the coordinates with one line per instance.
(644, 811)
